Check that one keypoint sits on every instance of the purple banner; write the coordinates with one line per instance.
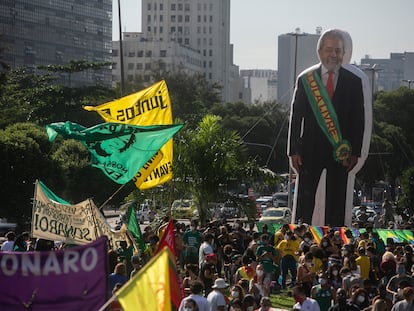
(66, 280)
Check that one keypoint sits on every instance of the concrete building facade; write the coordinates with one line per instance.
(296, 52)
(259, 85)
(189, 27)
(39, 32)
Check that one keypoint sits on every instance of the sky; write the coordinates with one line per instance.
(377, 27)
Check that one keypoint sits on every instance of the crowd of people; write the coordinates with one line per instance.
(227, 266)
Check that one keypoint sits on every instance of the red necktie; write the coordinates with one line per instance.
(330, 85)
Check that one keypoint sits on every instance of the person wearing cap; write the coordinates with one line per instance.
(302, 302)
(216, 297)
(196, 289)
(205, 248)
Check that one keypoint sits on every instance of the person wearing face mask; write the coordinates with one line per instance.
(236, 294)
(323, 293)
(334, 276)
(341, 301)
(401, 276)
(266, 256)
(257, 286)
(249, 303)
(307, 241)
(306, 274)
(383, 295)
(196, 289)
(289, 248)
(302, 302)
(216, 298)
(192, 240)
(359, 299)
(190, 305)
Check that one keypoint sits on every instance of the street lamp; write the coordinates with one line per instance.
(296, 34)
(409, 82)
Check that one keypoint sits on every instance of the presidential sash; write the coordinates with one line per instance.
(325, 115)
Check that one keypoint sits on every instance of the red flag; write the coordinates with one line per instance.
(167, 239)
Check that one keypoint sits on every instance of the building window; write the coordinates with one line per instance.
(161, 29)
(210, 52)
(172, 30)
(147, 66)
(210, 41)
(173, 19)
(210, 75)
(161, 6)
(180, 7)
(187, 7)
(161, 17)
(187, 18)
(149, 28)
(163, 53)
(130, 77)
(199, 18)
(180, 30)
(173, 6)
(149, 6)
(114, 65)
(187, 41)
(180, 18)
(131, 54)
(180, 40)
(210, 64)
(148, 18)
(211, 18)
(130, 66)
(114, 53)
(148, 53)
(139, 66)
(140, 53)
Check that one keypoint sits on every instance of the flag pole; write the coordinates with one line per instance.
(112, 196)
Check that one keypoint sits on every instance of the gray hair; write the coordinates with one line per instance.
(331, 33)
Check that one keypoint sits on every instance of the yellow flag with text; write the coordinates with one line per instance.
(149, 289)
(151, 106)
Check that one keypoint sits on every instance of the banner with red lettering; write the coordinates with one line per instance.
(64, 280)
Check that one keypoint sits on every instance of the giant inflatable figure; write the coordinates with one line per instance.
(329, 133)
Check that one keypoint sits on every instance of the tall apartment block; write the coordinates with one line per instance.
(193, 35)
(40, 32)
(296, 52)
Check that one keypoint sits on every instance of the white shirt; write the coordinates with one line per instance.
(202, 302)
(7, 246)
(216, 299)
(204, 249)
(307, 305)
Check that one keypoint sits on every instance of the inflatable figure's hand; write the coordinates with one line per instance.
(296, 162)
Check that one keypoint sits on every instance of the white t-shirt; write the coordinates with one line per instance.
(204, 250)
(7, 246)
(216, 299)
(307, 305)
(202, 302)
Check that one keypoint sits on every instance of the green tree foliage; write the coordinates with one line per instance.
(210, 156)
(24, 151)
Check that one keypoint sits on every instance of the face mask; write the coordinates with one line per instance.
(259, 272)
(400, 292)
(251, 308)
(235, 294)
(322, 281)
(401, 270)
(286, 237)
(188, 309)
(335, 272)
(309, 264)
(192, 228)
(361, 299)
(324, 244)
(307, 239)
(345, 252)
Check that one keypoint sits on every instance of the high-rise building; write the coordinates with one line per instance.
(39, 32)
(193, 34)
(259, 85)
(296, 52)
(389, 73)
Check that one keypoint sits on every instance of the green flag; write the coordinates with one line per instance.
(119, 150)
(134, 228)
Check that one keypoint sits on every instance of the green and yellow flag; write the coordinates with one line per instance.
(119, 150)
(151, 106)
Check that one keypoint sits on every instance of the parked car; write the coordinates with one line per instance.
(183, 209)
(276, 215)
(280, 199)
(231, 209)
(145, 213)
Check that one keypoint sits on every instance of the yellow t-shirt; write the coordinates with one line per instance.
(365, 265)
(289, 247)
